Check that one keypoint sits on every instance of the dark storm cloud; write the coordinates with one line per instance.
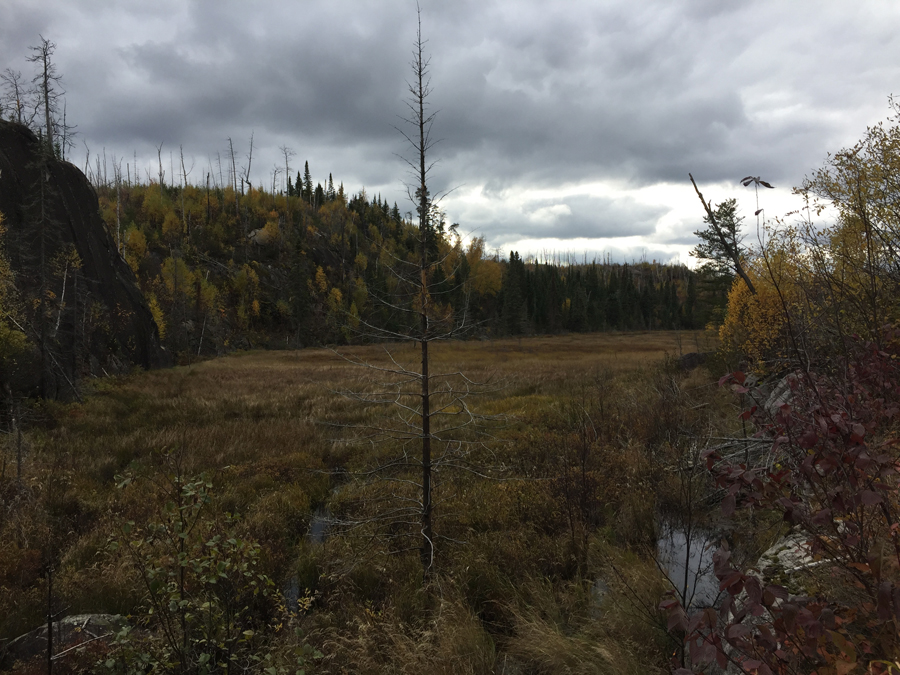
(644, 97)
(531, 95)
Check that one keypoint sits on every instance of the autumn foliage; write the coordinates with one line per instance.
(830, 468)
(822, 339)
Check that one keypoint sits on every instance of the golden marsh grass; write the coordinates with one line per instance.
(262, 425)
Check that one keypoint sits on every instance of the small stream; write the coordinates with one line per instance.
(674, 557)
(319, 525)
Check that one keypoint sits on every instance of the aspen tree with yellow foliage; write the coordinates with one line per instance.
(857, 259)
(819, 285)
(823, 332)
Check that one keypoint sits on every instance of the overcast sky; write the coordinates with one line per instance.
(565, 126)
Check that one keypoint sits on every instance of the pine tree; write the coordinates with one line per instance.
(307, 184)
(717, 244)
(720, 242)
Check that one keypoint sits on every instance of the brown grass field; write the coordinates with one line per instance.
(517, 572)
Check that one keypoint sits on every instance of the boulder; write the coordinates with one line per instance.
(67, 633)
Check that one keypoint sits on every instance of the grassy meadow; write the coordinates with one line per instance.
(545, 509)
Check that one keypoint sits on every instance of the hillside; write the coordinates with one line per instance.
(226, 268)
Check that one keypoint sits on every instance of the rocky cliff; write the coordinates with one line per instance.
(78, 300)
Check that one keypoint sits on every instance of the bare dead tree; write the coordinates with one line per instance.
(419, 89)
(87, 162)
(276, 171)
(16, 98)
(288, 153)
(431, 424)
(117, 174)
(234, 179)
(49, 92)
(246, 177)
(162, 173)
(184, 176)
(45, 80)
(66, 132)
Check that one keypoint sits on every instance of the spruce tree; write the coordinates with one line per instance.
(307, 184)
(718, 245)
(513, 311)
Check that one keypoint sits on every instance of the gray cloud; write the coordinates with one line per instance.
(581, 216)
(531, 95)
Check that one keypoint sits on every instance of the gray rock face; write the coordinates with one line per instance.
(97, 311)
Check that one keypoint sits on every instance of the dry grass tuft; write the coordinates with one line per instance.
(454, 642)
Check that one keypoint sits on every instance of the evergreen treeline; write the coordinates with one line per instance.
(223, 267)
(548, 298)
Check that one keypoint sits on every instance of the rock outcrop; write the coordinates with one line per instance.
(68, 634)
(83, 320)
